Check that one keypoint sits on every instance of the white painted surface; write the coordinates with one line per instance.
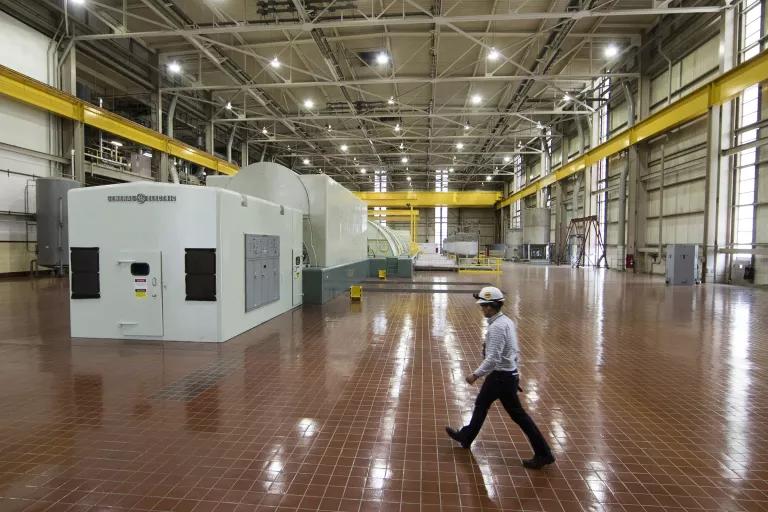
(336, 232)
(259, 217)
(199, 218)
(26, 51)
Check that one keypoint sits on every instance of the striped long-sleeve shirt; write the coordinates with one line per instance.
(501, 347)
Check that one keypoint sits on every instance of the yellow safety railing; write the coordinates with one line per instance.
(26, 90)
(479, 265)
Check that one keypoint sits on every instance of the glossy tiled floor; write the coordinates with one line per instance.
(654, 399)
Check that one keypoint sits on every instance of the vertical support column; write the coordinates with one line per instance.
(210, 129)
(74, 133)
(637, 200)
(159, 159)
(546, 167)
(560, 229)
(719, 131)
(637, 165)
(244, 156)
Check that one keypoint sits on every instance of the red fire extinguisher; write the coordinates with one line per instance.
(630, 261)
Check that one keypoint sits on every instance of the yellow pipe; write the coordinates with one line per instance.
(24, 89)
(427, 199)
(720, 90)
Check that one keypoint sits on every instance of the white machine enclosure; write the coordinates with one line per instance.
(336, 230)
(156, 224)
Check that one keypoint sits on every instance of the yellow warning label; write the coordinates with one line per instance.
(141, 293)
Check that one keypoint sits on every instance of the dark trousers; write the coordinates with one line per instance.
(503, 386)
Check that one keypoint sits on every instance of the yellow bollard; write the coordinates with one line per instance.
(382, 274)
(355, 292)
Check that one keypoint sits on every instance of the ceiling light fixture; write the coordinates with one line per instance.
(476, 99)
(408, 178)
(404, 159)
(174, 67)
(78, 2)
(229, 105)
(488, 178)
(402, 146)
(382, 58)
(493, 55)
(391, 100)
(507, 159)
(344, 148)
(611, 51)
(450, 169)
(329, 128)
(275, 63)
(566, 98)
(363, 170)
(539, 126)
(459, 146)
(308, 103)
(116, 143)
(147, 154)
(466, 127)
(397, 127)
(306, 161)
(265, 131)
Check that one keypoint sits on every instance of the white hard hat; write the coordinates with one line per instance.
(488, 295)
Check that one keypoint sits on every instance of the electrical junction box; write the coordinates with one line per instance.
(262, 270)
(682, 264)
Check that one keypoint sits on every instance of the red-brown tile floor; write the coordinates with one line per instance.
(654, 399)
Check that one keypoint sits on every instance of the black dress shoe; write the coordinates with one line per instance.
(538, 462)
(454, 434)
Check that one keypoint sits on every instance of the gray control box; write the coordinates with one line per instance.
(262, 270)
(682, 264)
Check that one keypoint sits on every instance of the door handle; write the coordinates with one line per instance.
(154, 282)
(127, 323)
(125, 261)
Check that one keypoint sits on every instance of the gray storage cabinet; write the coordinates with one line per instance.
(262, 270)
(682, 264)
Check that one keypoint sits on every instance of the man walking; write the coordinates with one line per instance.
(500, 366)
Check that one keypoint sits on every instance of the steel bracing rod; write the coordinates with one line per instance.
(229, 69)
(399, 80)
(321, 117)
(401, 20)
(610, 36)
(362, 91)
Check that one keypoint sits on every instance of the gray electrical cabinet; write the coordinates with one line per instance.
(682, 264)
(262, 270)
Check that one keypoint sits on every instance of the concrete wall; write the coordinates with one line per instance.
(474, 220)
(21, 127)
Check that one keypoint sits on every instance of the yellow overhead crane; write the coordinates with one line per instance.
(427, 199)
(393, 213)
(720, 90)
(26, 90)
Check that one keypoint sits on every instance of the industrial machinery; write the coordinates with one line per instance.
(682, 264)
(384, 242)
(462, 244)
(514, 250)
(536, 230)
(335, 224)
(179, 262)
(52, 222)
(335, 232)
